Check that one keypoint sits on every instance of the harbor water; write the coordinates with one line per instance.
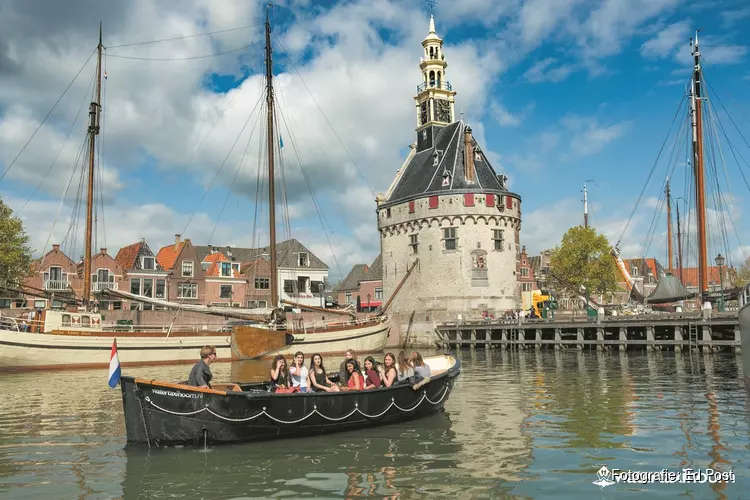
(519, 424)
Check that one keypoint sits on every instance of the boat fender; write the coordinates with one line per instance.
(419, 384)
(289, 339)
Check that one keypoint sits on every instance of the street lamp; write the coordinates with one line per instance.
(321, 291)
(720, 263)
(369, 307)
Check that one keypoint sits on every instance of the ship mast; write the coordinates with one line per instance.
(271, 184)
(94, 112)
(669, 229)
(679, 242)
(585, 207)
(696, 118)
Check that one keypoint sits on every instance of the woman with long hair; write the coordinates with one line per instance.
(280, 373)
(355, 381)
(299, 372)
(388, 370)
(372, 379)
(405, 371)
(318, 379)
(420, 368)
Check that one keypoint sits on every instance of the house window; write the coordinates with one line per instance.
(148, 287)
(411, 207)
(226, 269)
(187, 290)
(161, 287)
(378, 294)
(449, 236)
(225, 292)
(66, 320)
(525, 287)
(304, 261)
(525, 272)
(85, 321)
(262, 304)
(290, 287)
(148, 263)
(252, 304)
(262, 283)
(388, 212)
(135, 286)
(348, 297)
(317, 287)
(302, 284)
(635, 271)
(497, 239)
(236, 267)
(187, 268)
(413, 243)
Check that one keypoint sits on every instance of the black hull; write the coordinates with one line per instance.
(744, 317)
(159, 414)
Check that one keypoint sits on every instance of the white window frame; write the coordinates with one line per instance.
(191, 265)
(153, 263)
(303, 259)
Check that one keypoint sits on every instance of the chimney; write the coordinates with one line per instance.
(176, 241)
(468, 156)
(103, 251)
(56, 248)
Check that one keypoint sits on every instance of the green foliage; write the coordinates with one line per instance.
(583, 258)
(742, 277)
(15, 254)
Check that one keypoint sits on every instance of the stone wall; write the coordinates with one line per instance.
(446, 283)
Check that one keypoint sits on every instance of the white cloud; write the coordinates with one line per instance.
(664, 43)
(505, 118)
(589, 136)
(543, 71)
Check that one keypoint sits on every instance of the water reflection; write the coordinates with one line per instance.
(519, 424)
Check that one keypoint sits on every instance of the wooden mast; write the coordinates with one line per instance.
(94, 112)
(679, 243)
(700, 195)
(669, 229)
(271, 184)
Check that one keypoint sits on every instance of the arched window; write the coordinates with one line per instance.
(432, 78)
(439, 78)
(432, 53)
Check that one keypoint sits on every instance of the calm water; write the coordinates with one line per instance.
(517, 425)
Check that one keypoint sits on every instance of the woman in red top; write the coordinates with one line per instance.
(372, 379)
(355, 382)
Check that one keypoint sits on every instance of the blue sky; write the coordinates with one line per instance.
(559, 92)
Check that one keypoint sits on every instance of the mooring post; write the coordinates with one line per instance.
(677, 338)
(650, 338)
(473, 338)
(623, 339)
(522, 338)
(707, 338)
(504, 339)
(737, 339)
(600, 339)
(538, 339)
(558, 339)
(579, 338)
(487, 338)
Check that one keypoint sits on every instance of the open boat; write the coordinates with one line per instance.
(162, 413)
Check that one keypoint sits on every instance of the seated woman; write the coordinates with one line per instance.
(372, 379)
(387, 370)
(355, 381)
(279, 373)
(420, 368)
(299, 372)
(317, 380)
(404, 369)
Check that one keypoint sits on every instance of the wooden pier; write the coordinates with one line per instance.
(667, 332)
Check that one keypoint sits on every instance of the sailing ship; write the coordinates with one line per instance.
(60, 337)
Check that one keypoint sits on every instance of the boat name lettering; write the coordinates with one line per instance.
(178, 394)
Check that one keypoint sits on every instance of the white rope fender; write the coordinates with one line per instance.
(313, 412)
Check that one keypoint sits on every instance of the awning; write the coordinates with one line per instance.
(669, 289)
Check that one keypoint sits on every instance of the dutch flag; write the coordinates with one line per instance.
(114, 366)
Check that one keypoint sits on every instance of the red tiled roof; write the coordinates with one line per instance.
(127, 255)
(216, 257)
(690, 275)
(167, 255)
(650, 262)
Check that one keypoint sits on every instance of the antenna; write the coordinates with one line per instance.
(586, 203)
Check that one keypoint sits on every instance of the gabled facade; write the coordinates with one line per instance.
(106, 273)
(224, 283)
(186, 276)
(363, 286)
(301, 275)
(257, 274)
(55, 272)
(143, 273)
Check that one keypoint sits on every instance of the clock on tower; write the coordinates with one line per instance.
(443, 111)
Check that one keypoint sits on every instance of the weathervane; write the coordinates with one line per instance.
(431, 5)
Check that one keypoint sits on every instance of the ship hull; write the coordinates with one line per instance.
(744, 317)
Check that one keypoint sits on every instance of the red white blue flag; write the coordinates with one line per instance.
(114, 366)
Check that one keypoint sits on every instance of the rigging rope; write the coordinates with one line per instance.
(46, 116)
(188, 58)
(651, 173)
(208, 33)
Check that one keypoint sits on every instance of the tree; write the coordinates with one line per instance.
(742, 277)
(583, 258)
(15, 254)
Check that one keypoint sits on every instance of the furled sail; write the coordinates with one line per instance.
(669, 289)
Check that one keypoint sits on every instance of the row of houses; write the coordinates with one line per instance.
(181, 272)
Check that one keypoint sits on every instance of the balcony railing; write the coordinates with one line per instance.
(98, 287)
(56, 285)
(434, 85)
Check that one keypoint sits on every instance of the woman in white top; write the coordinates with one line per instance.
(403, 368)
(299, 372)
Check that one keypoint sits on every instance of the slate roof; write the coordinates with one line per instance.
(287, 254)
(419, 178)
(375, 271)
(351, 282)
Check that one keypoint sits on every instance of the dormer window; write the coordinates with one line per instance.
(226, 269)
(304, 261)
(147, 263)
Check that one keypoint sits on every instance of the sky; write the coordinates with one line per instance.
(559, 93)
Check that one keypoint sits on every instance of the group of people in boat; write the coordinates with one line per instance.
(352, 376)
